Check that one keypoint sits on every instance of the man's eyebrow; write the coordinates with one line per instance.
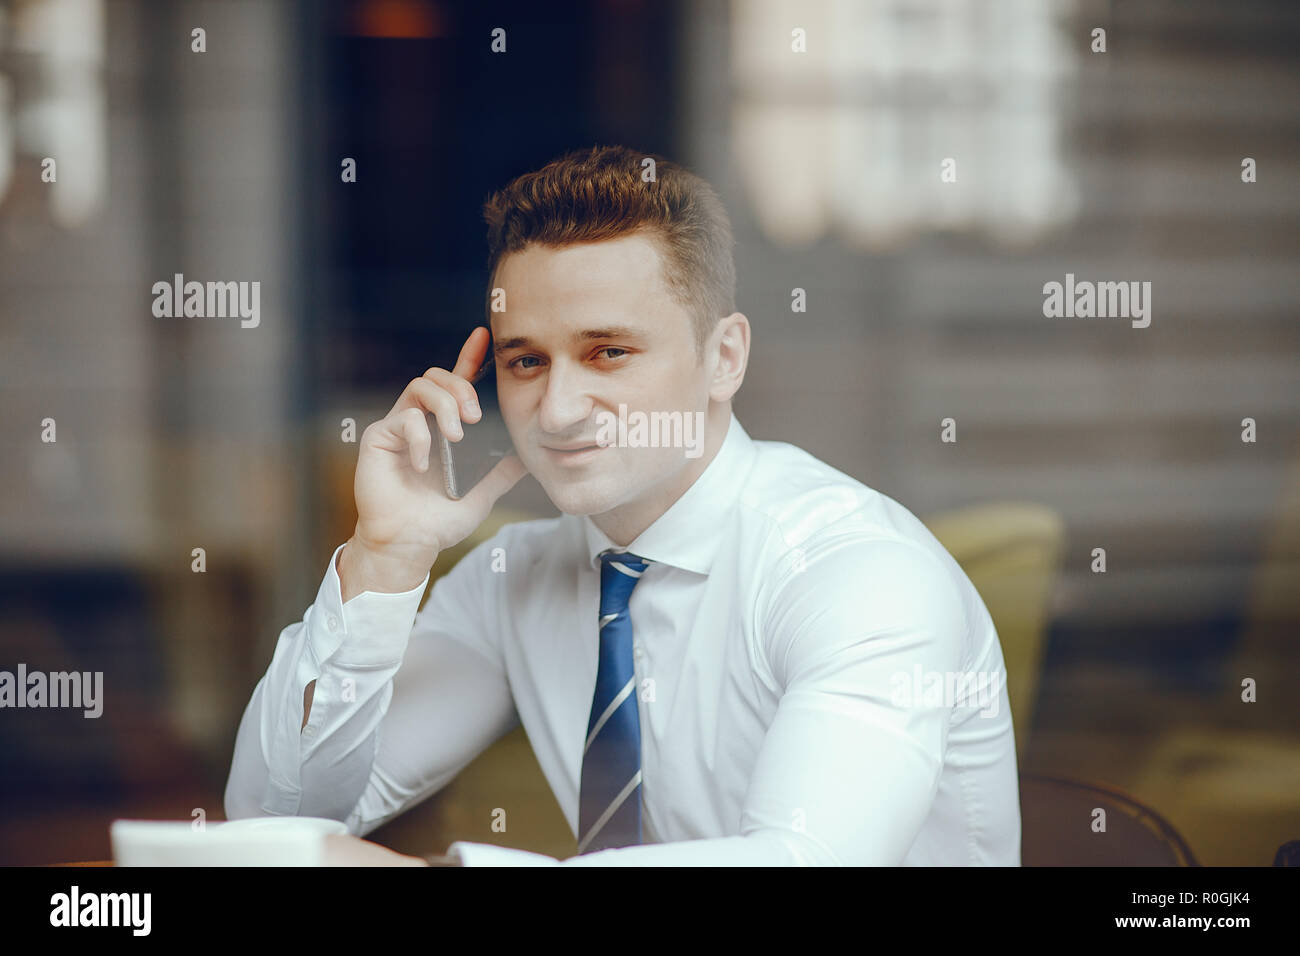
(586, 335)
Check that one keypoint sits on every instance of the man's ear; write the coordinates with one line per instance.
(730, 344)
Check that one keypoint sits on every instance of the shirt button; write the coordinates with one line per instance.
(309, 731)
(637, 652)
(333, 623)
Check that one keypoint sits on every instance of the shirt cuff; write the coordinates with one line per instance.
(488, 854)
(377, 625)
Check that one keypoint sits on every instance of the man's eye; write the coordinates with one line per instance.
(613, 350)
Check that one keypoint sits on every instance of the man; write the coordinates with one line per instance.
(728, 655)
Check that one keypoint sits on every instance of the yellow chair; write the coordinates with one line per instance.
(1012, 554)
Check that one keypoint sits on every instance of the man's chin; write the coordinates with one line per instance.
(579, 498)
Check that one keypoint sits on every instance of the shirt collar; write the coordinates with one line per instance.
(680, 536)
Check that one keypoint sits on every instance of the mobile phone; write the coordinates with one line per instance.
(486, 441)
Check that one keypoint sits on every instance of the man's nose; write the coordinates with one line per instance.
(565, 404)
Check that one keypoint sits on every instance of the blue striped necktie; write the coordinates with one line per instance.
(609, 809)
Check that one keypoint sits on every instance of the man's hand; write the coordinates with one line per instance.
(354, 851)
(404, 517)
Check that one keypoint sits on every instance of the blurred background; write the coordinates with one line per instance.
(924, 302)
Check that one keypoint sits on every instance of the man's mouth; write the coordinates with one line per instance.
(572, 454)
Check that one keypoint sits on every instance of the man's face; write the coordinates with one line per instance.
(588, 327)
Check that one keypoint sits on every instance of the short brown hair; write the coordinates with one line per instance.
(588, 195)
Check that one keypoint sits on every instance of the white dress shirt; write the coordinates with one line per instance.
(792, 641)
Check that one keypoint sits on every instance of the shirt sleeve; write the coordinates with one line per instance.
(404, 699)
(850, 765)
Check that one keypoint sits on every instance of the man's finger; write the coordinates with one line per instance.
(465, 393)
(472, 353)
(418, 439)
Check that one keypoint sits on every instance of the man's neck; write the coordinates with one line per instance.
(623, 524)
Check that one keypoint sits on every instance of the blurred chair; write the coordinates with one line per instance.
(1012, 554)
(1288, 854)
(1058, 816)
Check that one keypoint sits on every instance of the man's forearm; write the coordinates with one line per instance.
(360, 571)
(327, 750)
